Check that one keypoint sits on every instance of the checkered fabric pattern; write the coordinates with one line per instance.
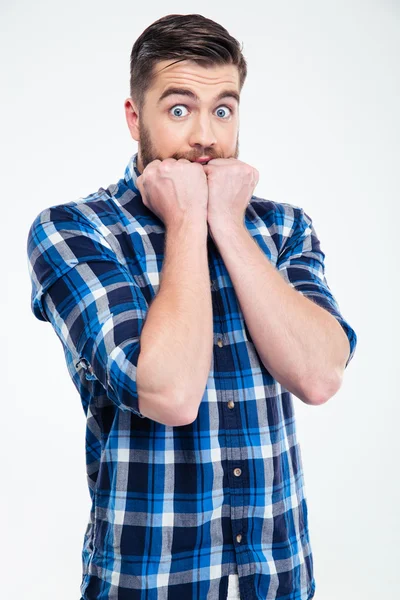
(176, 510)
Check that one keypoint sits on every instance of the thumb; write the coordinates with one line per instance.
(140, 187)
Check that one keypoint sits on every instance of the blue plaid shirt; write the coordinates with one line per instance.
(175, 510)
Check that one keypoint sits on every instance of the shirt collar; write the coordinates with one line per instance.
(132, 173)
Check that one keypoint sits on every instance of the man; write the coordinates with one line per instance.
(189, 311)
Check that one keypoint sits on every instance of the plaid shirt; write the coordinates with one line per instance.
(175, 510)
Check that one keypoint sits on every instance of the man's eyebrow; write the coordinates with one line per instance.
(186, 92)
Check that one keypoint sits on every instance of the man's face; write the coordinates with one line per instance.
(177, 125)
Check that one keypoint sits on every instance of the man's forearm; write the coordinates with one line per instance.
(177, 337)
(300, 343)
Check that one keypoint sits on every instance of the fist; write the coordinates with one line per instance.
(174, 190)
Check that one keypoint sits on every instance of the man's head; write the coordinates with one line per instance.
(193, 53)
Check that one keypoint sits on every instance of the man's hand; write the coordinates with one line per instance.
(231, 184)
(175, 190)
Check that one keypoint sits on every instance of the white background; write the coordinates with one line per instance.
(320, 120)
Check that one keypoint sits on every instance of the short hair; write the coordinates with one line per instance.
(181, 37)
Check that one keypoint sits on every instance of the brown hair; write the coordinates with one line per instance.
(181, 37)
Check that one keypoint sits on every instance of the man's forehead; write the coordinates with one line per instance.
(186, 72)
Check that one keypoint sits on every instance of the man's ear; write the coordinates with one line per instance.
(132, 118)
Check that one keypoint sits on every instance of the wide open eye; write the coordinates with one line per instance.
(177, 107)
(222, 108)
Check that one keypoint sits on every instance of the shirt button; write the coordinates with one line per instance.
(237, 472)
(220, 344)
(231, 404)
(239, 538)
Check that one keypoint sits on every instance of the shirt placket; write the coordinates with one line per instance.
(226, 394)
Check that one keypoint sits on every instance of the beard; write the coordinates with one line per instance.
(147, 151)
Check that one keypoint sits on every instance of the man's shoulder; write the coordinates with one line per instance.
(94, 207)
(275, 214)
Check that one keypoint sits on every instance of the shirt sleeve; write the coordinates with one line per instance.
(301, 263)
(91, 299)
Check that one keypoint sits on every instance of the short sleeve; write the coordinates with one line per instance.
(91, 299)
(301, 263)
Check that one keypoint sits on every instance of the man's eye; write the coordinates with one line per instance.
(223, 108)
(176, 108)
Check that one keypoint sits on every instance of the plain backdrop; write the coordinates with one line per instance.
(319, 119)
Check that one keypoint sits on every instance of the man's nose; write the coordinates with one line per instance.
(202, 132)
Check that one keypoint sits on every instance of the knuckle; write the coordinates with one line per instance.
(165, 165)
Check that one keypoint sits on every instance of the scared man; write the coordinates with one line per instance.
(190, 311)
